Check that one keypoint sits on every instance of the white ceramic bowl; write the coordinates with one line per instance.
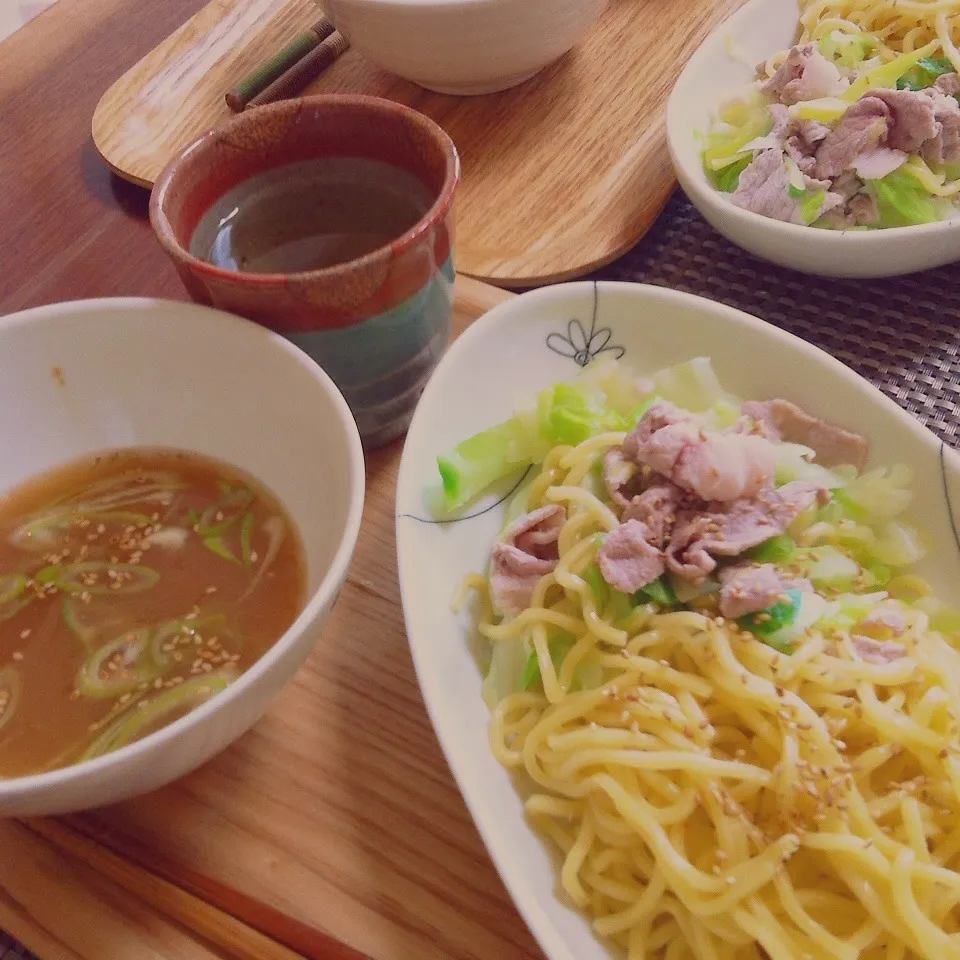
(511, 353)
(757, 30)
(463, 46)
(151, 372)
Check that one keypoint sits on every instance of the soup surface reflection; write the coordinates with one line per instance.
(134, 586)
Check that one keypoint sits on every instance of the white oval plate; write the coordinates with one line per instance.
(515, 350)
(721, 66)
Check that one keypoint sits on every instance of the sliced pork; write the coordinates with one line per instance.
(805, 74)
(656, 508)
(911, 118)
(948, 84)
(764, 188)
(661, 414)
(750, 589)
(877, 651)
(887, 616)
(862, 127)
(526, 552)
(728, 529)
(782, 420)
(706, 464)
(627, 559)
(944, 147)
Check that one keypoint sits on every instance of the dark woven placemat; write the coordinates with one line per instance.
(903, 334)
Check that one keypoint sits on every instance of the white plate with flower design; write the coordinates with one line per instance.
(508, 355)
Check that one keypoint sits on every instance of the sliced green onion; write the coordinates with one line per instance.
(97, 681)
(12, 600)
(222, 515)
(170, 630)
(246, 532)
(92, 621)
(659, 591)
(71, 578)
(41, 533)
(159, 711)
(217, 546)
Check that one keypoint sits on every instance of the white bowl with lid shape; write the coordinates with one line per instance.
(721, 66)
(463, 47)
(78, 378)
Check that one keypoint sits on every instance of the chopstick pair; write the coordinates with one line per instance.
(290, 69)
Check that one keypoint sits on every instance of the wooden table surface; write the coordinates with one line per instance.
(69, 230)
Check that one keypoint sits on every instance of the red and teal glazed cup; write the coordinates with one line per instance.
(377, 324)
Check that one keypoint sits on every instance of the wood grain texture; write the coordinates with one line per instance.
(560, 174)
(338, 810)
(231, 938)
(63, 909)
(376, 843)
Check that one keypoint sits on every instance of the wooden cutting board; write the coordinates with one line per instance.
(560, 175)
(336, 818)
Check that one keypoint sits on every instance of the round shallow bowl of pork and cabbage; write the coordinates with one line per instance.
(820, 145)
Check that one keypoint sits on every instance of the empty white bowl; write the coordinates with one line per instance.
(76, 378)
(722, 65)
(463, 46)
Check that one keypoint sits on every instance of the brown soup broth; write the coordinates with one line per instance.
(133, 586)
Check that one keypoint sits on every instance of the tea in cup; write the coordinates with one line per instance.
(327, 219)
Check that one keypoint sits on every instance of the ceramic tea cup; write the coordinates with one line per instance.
(377, 322)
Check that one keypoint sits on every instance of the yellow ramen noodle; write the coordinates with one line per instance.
(900, 26)
(714, 799)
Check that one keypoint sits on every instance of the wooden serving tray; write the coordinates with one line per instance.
(334, 826)
(560, 175)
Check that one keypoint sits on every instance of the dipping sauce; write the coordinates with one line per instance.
(134, 586)
(309, 215)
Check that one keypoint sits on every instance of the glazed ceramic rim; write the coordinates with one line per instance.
(321, 598)
(376, 106)
(694, 180)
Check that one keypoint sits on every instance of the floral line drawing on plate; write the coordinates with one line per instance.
(470, 516)
(946, 496)
(580, 346)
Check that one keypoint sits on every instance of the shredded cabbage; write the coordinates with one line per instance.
(692, 385)
(846, 49)
(887, 74)
(604, 397)
(902, 200)
(879, 494)
(724, 145)
(794, 462)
